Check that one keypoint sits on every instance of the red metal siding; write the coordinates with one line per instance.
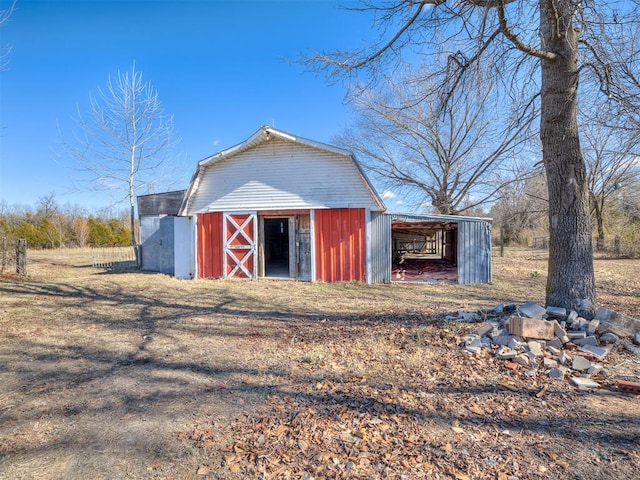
(340, 244)
(210, 245)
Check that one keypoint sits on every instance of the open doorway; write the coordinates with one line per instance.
(424, 252)
(276, 247)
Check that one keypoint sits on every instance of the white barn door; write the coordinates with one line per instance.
(240, 238)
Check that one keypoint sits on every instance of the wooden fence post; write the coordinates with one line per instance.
(21, 256)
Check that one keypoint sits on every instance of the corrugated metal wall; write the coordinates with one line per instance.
(282, 175)
(210, 250)
(380, 248)
(340, 244)
(474, 252)
(157, 243)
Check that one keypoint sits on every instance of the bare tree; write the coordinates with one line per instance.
(522, 207)
(124, 140)
(443, 153)
(4, 18)
(612, 161)
(517, 42)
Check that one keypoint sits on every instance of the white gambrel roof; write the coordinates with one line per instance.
(274, 170)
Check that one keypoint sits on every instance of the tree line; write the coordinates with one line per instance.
(48, 225)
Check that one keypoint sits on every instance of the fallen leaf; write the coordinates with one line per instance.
(457, 429)
(461, 476)
(203, 470)
(476, 409)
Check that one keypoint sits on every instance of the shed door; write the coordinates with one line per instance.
(239, 232)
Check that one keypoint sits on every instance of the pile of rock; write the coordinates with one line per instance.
(560, 343)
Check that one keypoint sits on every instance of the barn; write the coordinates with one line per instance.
(282, 206)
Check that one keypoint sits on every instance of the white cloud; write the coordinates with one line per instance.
(388, 194)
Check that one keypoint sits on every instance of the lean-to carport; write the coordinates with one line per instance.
(430, 248)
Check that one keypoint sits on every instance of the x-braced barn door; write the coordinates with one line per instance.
(240, 258)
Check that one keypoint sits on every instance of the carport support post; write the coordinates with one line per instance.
(502, 240)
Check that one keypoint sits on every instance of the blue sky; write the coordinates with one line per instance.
(220, 68)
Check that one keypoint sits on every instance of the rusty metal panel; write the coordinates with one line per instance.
(210, 251)
(380, 248)
(340, 244)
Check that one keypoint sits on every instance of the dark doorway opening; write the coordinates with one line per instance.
(424, 252)
(276, 247)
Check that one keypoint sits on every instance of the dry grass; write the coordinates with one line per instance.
(138, 375)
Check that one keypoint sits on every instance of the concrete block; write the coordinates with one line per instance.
(565, 358)
(584, 383)
(515, 342)
(621, 325)
(549, 363)
(558, 330)
(502, 340)
(557, 373)
(580, 324)
(483, 329)
(594, 369)
(505, 353)
(632, 348)
(474, 342)
(580, 364)
(555, 343)
(530, 328)
(535, 348)
(532, 310)
(610, 338)
(571, 317)
(575, 334)
(598, 352)
(593, 325)
(498, 309)
(590, 340)
(498, 332)
(557, 312)
(473, 350)
(553, 350)
(523, 360)
(636, 338)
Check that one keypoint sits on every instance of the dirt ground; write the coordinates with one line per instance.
(114, 375)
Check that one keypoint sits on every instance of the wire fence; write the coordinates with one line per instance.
(113, 257)
(7, 254)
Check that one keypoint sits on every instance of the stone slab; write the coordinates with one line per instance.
(532, 310)
(590, 340)
(598, 352)
(584, 383)
(580, 364)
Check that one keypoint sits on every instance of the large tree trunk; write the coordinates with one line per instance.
(571, 281)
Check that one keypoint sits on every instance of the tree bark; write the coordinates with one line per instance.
(571, 280)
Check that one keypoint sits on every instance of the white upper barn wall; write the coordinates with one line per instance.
(275, 173)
